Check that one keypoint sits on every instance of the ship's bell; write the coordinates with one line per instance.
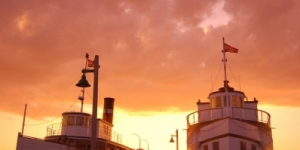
(83, 82)
(172, 140)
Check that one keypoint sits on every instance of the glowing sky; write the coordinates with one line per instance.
(157, 57)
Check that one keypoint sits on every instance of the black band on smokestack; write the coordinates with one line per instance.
(108, 109)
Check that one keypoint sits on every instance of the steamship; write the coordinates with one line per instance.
(75, 131)
(229, 121)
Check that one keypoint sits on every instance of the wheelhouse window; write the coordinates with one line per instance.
(218, 101)
(243, 145)
(241, 102)
(205, 147)
(235, 101)
(253, 147)
(64, 121)
(86, 122)
(215, 146)
(212, 102)
(225, 101)
(79, 121)
(71, 120)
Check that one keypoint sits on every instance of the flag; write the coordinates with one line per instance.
(230, 49)
(90, 63)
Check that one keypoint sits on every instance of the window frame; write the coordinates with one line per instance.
(243, 145)
(216, 145)
(64, 120)
(235, 101)
(212, 102)
(71, 121)
(79, 121)
(205, 147)
(253, 147)
(224, 101)
(218, 101)
(241, 101)
(87, 122)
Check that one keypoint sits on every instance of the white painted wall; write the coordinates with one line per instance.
(24, 143)
(250, 105)
(203, 106)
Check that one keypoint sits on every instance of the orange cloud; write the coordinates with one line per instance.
(146, 63)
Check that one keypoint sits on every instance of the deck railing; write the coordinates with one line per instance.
(55, 129)
(236, 112)
(204, 115)
(251, 115)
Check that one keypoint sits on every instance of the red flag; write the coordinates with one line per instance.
(230, 49)
(90, 63)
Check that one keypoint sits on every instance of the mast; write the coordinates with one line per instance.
(83, 88)
(224, 61)
(225, 77)
(95, 105)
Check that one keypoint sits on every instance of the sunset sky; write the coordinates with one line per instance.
(157, 57)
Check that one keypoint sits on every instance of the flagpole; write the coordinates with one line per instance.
(224, 60)
(225, 77)
(24, 116)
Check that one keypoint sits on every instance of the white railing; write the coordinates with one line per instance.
(56, 129)
(204, 115)
(251, 115)
(236, 112)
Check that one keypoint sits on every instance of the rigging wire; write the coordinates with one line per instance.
(216, 78)
(97, 103)
(51, 101)
(51, 119)
(234, 77)
(92, 98)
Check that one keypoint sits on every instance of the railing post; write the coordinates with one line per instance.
(222, 113)
(261, 116)
(194, 118)
(210, 115)
(187, 120)
(243, 113)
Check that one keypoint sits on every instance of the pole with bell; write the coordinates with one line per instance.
(172, 140)
(84, 83)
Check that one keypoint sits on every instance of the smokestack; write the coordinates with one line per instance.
(108, 109)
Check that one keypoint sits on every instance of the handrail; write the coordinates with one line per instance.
(236, 112)
(251, 115)
(204, 115)
(56, 129)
